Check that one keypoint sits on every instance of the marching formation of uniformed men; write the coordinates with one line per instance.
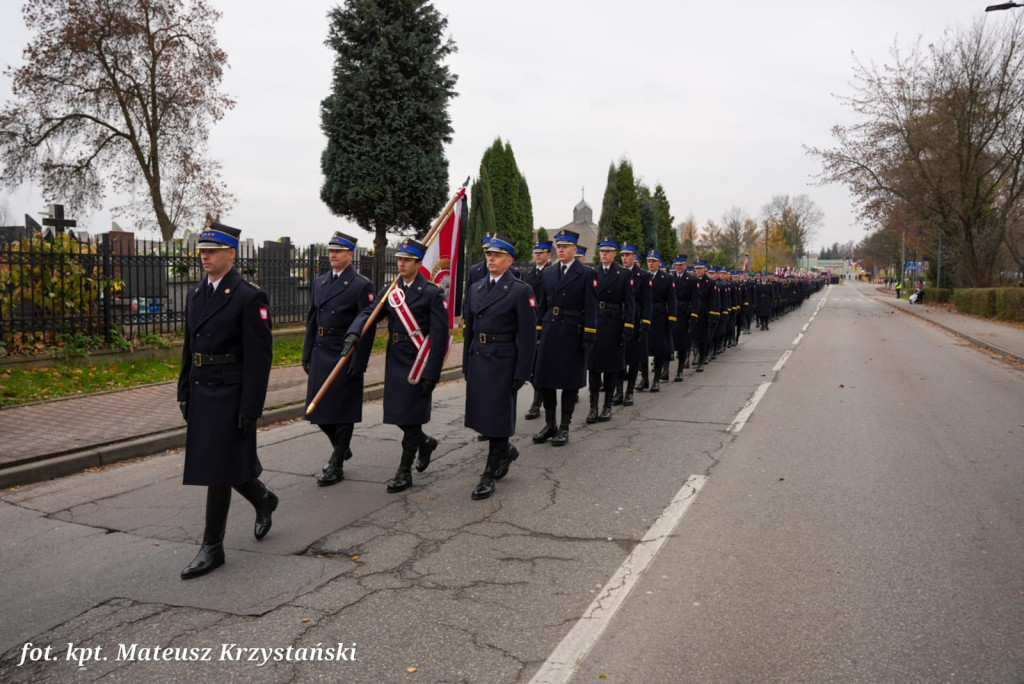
(225, 370)
(552, 325)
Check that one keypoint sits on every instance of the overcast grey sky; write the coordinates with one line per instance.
(714, 100)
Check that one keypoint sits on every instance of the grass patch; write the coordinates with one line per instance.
(23, 385)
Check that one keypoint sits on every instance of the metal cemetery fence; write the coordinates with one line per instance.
(55, 288)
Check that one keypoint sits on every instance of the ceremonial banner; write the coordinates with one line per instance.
(441, 265)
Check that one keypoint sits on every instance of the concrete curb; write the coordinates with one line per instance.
(959, 333)
(153, 443)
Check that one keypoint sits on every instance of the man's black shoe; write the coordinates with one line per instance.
(606, 414)
(263, 515)
(533, 413)
(628, 399)
(484, 489)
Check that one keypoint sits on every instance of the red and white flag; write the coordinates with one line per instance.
(441, 263)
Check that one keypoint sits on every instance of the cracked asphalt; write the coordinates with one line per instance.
(425, 585)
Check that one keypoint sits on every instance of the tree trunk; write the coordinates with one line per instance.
(380, 255)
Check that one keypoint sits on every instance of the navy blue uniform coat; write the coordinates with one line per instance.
(614, 323)
(404, 404)
(636, 348)
(491, 367)
(561, 362)
(235, 321)
(335, 304)
(685, 288)
(663, 299)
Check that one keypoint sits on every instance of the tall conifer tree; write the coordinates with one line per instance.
(386, 118)
(668, 241)
(626, 223)
(609, 203)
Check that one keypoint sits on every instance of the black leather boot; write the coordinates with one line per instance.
(656, 384)
(679, 371)
(264, 501)
(617, 397)
(592, 416)
(546, 433)
(427, 447)
(534, 410)
(334, 471)
(348, 455)
(664, 371)
(606, 410)
(501, 470)
(486, 485)
(403, 476)
(211, 553)
(561, 438)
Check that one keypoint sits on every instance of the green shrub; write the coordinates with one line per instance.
(933, 295)
(1009, 303)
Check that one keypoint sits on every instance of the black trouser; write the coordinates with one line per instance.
(412, 437)
(340, 434)
(569, 399)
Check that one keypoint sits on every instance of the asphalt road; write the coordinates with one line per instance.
(836, 503)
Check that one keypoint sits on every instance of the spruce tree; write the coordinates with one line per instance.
(626, 223)
(649, 220)
(386, 118)
(510, 195)
(668, 241)
(609, 203)
(481, 212)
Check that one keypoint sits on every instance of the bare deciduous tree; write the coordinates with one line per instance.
(119, 95)
(940, 140)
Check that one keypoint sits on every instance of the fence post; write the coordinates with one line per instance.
(108, 293)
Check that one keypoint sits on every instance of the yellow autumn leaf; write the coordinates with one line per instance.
(410, 670)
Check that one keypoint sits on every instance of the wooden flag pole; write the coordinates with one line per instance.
(372, 320)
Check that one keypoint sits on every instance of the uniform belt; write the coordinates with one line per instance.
(608, 305)
(558, 311)
(484, 338)
(331, 332)
(200, 360)
(400, 337)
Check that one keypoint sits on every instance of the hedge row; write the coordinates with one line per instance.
(1002, 303)
(937, 294)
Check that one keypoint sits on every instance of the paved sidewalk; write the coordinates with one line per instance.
(1000, 338)
(63, 436)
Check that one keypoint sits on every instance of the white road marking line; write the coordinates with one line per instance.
(782, 361)
(570, 652)
(808, 324)
(797, 340)
(741, 418)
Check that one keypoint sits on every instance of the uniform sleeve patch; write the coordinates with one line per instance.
(533, 303)
(444, 303)
(631, 282)
(264, 313)
(371, 296)
(595, 282)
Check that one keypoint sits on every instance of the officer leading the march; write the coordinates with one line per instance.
(497, 356)
(567, 313)
(225, 368)
(338, 297)
(417, 344)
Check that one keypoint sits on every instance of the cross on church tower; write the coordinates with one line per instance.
(55, 217)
